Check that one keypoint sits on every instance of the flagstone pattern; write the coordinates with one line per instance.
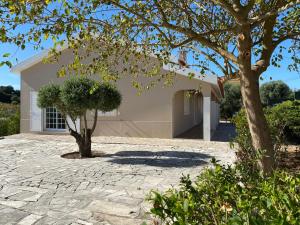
(39, 187)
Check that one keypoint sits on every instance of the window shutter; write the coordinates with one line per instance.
(35, 113)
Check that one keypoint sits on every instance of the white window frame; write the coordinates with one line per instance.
(52, 129)
(186, 103)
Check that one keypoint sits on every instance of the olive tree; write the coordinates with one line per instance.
(74, 99)
(238, 37)
(275, 92)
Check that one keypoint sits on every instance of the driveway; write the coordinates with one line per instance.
(39, 187)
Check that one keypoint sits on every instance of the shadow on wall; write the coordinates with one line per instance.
(179, 159)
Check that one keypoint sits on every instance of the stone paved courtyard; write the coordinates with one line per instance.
(39, 187)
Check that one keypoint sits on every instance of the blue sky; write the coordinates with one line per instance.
(7, 78)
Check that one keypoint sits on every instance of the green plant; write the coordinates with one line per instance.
(246, 152)
(232, 101)
(227, 195)
(13, 124)
(275, 92)
(289, 114)
(74, 99)
(9, 119)
(3, 127)
(284, 124)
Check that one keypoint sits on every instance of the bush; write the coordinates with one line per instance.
(14, 124)
(246, 152)
(284, 124)
(289, 114)
(275, 92)
(9, 119)
(232, 101)
(3, 127)
(226, 195)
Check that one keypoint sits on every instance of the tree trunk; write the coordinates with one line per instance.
(261, 138)
(258, 126)
(84, 143)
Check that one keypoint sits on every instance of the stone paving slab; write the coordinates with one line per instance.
(39, 187)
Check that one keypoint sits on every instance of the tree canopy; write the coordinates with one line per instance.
(9, 95)
(74, 99)
(232, 101)
(275, 92)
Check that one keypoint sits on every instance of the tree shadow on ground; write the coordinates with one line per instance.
(179, 159)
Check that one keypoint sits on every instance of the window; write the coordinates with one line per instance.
(114, 112)
(186, 103)
(54, 120)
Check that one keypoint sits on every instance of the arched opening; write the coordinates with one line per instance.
(187, 119)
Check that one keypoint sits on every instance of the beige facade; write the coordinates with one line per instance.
(162, 112)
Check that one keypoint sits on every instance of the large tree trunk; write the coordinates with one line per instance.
(261, 138)
(258, 126)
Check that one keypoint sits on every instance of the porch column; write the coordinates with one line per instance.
(206, 114)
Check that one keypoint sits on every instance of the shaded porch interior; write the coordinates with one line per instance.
(224, 132)
(195, 115)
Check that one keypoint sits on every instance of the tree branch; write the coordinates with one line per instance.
(195, 36)
(95, 121)
(259, 19)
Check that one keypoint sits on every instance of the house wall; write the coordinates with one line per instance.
(147, 115)
(181, 121)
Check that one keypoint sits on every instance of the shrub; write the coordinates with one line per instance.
(284, 123)
(13, 124)
(9, 119)
(232, 101)
(226, 195)
(246, 152)
(275, 92)
(289, 114)
(3, 127)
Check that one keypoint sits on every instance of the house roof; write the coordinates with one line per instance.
(172, 66)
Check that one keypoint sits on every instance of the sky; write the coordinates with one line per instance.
(8, 78)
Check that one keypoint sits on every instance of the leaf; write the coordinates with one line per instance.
(6, 55)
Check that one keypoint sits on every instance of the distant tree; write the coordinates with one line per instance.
(75, 98)
(8, 95)
(275, 92)
(297, 95)
(232, 101)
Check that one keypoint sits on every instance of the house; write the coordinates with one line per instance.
(161, 112)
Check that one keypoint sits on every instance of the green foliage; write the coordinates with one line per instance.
(227, 195)
(275, 92)
(246, 152)
(284, 124)
(13, 124)
(289, 114)
(232, 101)
(78, 95)
(49, 95)
(112, 98)
(9, 119)
(9, 95)
(297, 95)
(3, 127)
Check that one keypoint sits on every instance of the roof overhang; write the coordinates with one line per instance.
(172, 66)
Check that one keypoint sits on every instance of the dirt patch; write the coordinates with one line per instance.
(290, 159)
(76, 155)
